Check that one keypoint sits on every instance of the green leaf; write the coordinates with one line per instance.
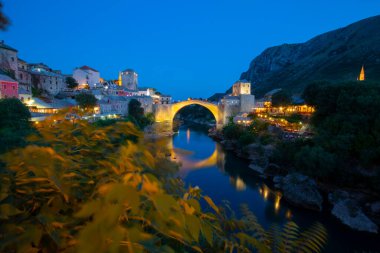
(211, 203)
(7, 210)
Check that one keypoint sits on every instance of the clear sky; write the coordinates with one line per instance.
(186, 48)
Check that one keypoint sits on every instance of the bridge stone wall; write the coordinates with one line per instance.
(165, 113)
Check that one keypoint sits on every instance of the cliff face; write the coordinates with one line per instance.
(334, 56)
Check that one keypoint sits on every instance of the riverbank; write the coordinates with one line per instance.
(356, 208)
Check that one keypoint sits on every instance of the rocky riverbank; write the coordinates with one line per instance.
(357, 209)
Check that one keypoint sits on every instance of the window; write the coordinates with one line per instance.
(14, 87)
(13, 59)
(20, 76)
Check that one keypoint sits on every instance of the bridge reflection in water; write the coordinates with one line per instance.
(241, 181)
(216, 159)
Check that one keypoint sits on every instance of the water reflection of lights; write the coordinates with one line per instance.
(188, 135)
(288, 214)
(238, 183)
(277, 201)
(266, 192)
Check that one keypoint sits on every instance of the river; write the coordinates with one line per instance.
(225, 177)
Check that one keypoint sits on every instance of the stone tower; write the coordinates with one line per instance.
(128, 79)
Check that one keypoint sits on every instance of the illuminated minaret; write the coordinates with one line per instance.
(362, 74)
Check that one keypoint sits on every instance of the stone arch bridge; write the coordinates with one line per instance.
(222, 111)
(165, 113)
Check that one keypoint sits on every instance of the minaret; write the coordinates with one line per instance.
(362, 74)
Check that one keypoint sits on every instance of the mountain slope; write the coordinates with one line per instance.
(336, 56)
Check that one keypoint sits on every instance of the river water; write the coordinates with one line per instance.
(225, 177)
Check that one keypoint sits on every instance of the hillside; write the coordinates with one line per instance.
(336, 56)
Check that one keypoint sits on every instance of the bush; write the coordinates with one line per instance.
(315, 162)
(14, 124)
(247, 138)
(232, 131)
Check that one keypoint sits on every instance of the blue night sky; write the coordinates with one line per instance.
(190, 48)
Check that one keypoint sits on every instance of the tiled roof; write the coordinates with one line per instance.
(4, 46)
(41, 71)
(6, 78)
(88, 68)
(129, 70)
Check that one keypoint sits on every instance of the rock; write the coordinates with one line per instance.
(350, 213)
(274, 170)
(228, 144)
(375, 207)
(302, 191)
(277, 180)
(346, 207)
(256, 168)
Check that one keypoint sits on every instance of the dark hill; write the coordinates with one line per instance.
(334, 56)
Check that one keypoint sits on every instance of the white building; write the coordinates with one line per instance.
(86, 77)
(146, 91)
(128, 79)
(241, 88)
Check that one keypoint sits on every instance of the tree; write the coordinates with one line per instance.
(71, 82)
(86, 101)
(135, 110)
(4, 21)
(281, 98)
(14, 124)
(94, 190)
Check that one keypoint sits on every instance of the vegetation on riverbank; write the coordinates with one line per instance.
(81, 187)
(345, 147)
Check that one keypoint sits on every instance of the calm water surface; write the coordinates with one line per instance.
(223, 176)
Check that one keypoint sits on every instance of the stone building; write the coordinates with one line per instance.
(46, 79)
(8, 60)
(129, 79)
(24, 77)
(86, 77)
(242, 87)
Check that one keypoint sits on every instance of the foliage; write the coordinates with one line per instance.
(135, 110)
(4, 21)
(14, 124)
(247, 138)
(232, 131)
(36, 92)
(136, 115)
(71, 82)
(81, 188)
(294, 118)
(345, 148)
(315, 161)
(86, 101)
(281, 98)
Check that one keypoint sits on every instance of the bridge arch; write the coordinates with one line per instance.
(214, 109)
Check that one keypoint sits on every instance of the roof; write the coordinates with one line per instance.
(21, 60)
(22, 90)
(4, 46)
(129, 70)
(231, 97)
(85, 67)
(243, 81)
(6, 78)
(41, 71)
(56, 103)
